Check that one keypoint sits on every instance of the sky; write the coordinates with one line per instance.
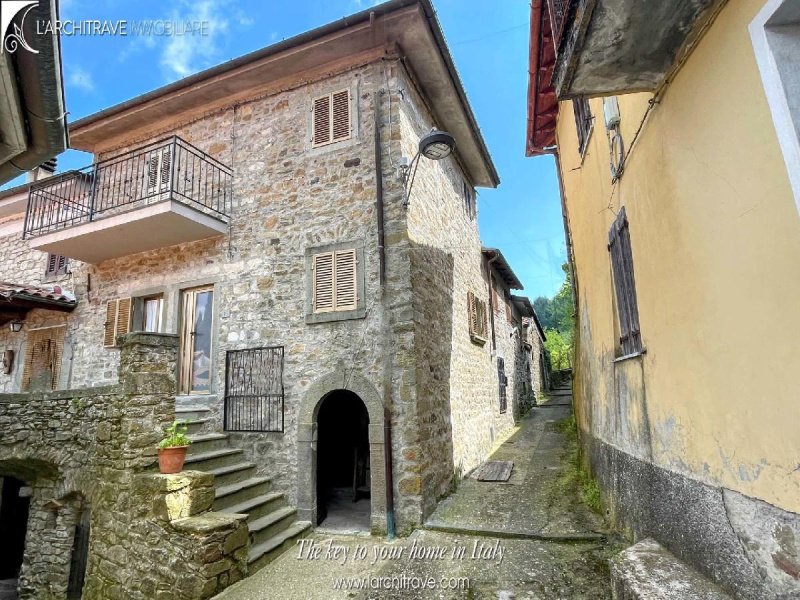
(489, 44)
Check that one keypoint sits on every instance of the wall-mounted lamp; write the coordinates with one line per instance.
(15, 326)
(434, 146)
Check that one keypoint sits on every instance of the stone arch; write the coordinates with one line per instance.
(341, 379)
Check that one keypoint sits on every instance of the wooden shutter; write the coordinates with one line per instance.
(341, 115)
(330, 119)
(56, 264)
(321, 121)
(118, 320)
(158, 170)
(619, 246)
(477, 317)
(345, 280)
(335, 279)
(323, 282)
(43, 358)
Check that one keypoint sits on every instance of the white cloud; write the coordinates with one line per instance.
(187, 54)
(80, 78)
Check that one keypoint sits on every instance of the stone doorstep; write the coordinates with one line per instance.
(647, 571)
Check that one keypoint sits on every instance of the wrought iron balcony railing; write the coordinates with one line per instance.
(170, 169)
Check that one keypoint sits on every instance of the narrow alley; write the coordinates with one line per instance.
(533, 536)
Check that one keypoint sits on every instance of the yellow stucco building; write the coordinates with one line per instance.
(675, 129)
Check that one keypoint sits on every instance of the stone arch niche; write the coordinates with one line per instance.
(307, 428)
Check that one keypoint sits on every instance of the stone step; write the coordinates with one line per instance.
(647, 571)
(206, 442)
(233, 473)
(239, 492)
(191, 413)
(265, 552)
(198, 426)
(271, 525)
(207, 461)
(260, 506)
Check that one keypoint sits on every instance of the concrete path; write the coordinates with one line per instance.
(531, 537)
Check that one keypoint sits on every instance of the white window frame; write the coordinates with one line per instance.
(765, 38)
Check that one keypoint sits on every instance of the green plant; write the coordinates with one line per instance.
(175, 436)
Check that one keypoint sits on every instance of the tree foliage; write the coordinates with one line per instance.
(557, 317)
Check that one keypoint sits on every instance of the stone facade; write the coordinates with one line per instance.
(87, 450)
(409, 349)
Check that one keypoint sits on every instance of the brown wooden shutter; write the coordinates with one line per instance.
(473, 321)
(321, 121)
(619, 246)
(52, 264)
(341, 115)
(109, 327)
(345, 280)
(118, 320)
(43, 358)
(323, 282)
(124, 314)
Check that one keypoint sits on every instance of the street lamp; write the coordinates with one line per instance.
(436, 145)
(16, 326)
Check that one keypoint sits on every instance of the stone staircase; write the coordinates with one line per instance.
(272, 522)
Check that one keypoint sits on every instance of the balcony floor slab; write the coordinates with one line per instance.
(159, 225)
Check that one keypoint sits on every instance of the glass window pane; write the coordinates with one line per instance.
(201, 347)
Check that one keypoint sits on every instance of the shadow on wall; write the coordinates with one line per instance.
(432, 279)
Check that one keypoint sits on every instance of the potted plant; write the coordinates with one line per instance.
(172, 449)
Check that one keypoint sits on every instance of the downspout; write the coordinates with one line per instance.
(491, 303)
(387, 379)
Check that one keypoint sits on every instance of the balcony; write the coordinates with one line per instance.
(607, 47)
(160, 195)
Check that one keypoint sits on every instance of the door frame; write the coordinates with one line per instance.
(186, 317)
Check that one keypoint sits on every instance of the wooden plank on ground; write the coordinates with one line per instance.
(494, 470)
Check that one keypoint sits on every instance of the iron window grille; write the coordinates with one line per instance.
(619, 246)
(254, 392)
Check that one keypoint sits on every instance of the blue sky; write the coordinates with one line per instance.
(489, 43)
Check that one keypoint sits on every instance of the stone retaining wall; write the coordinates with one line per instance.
(91, 450)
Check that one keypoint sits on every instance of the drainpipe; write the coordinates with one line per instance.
(379, 194)
(387, 379)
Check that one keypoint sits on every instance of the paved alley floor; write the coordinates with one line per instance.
(531, 537)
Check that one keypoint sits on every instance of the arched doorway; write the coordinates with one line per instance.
(14, 505)
(307, 443)
(343, 463)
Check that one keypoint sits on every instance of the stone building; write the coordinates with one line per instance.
(333, 337)
(684, 256)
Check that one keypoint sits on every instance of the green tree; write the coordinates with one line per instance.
(556, 315)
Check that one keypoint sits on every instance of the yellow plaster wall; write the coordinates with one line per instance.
(716, 246)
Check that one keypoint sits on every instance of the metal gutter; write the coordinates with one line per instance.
(41, 90)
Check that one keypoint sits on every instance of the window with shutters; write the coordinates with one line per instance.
(45, 348)
(56, 265)
(331, 118)
(503, 384)
(118, 320)
(476, 311)
(619, 247)
(336, 283)
(583, 122)
(158, 171)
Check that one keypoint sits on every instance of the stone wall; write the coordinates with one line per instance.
(412, 345)
(88, 450)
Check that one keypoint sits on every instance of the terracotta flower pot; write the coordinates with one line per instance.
(170, 460)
